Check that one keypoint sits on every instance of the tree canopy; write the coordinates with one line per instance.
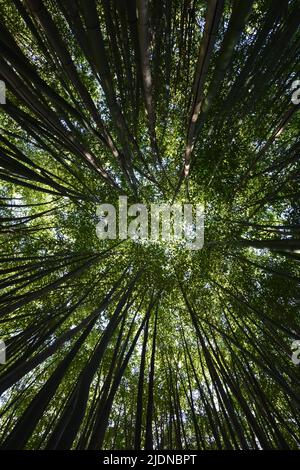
(115, 344)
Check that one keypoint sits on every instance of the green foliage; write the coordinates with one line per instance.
(82, 126)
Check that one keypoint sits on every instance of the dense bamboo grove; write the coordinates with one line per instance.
(122, 345)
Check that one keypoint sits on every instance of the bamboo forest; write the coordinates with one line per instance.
(125, 344)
